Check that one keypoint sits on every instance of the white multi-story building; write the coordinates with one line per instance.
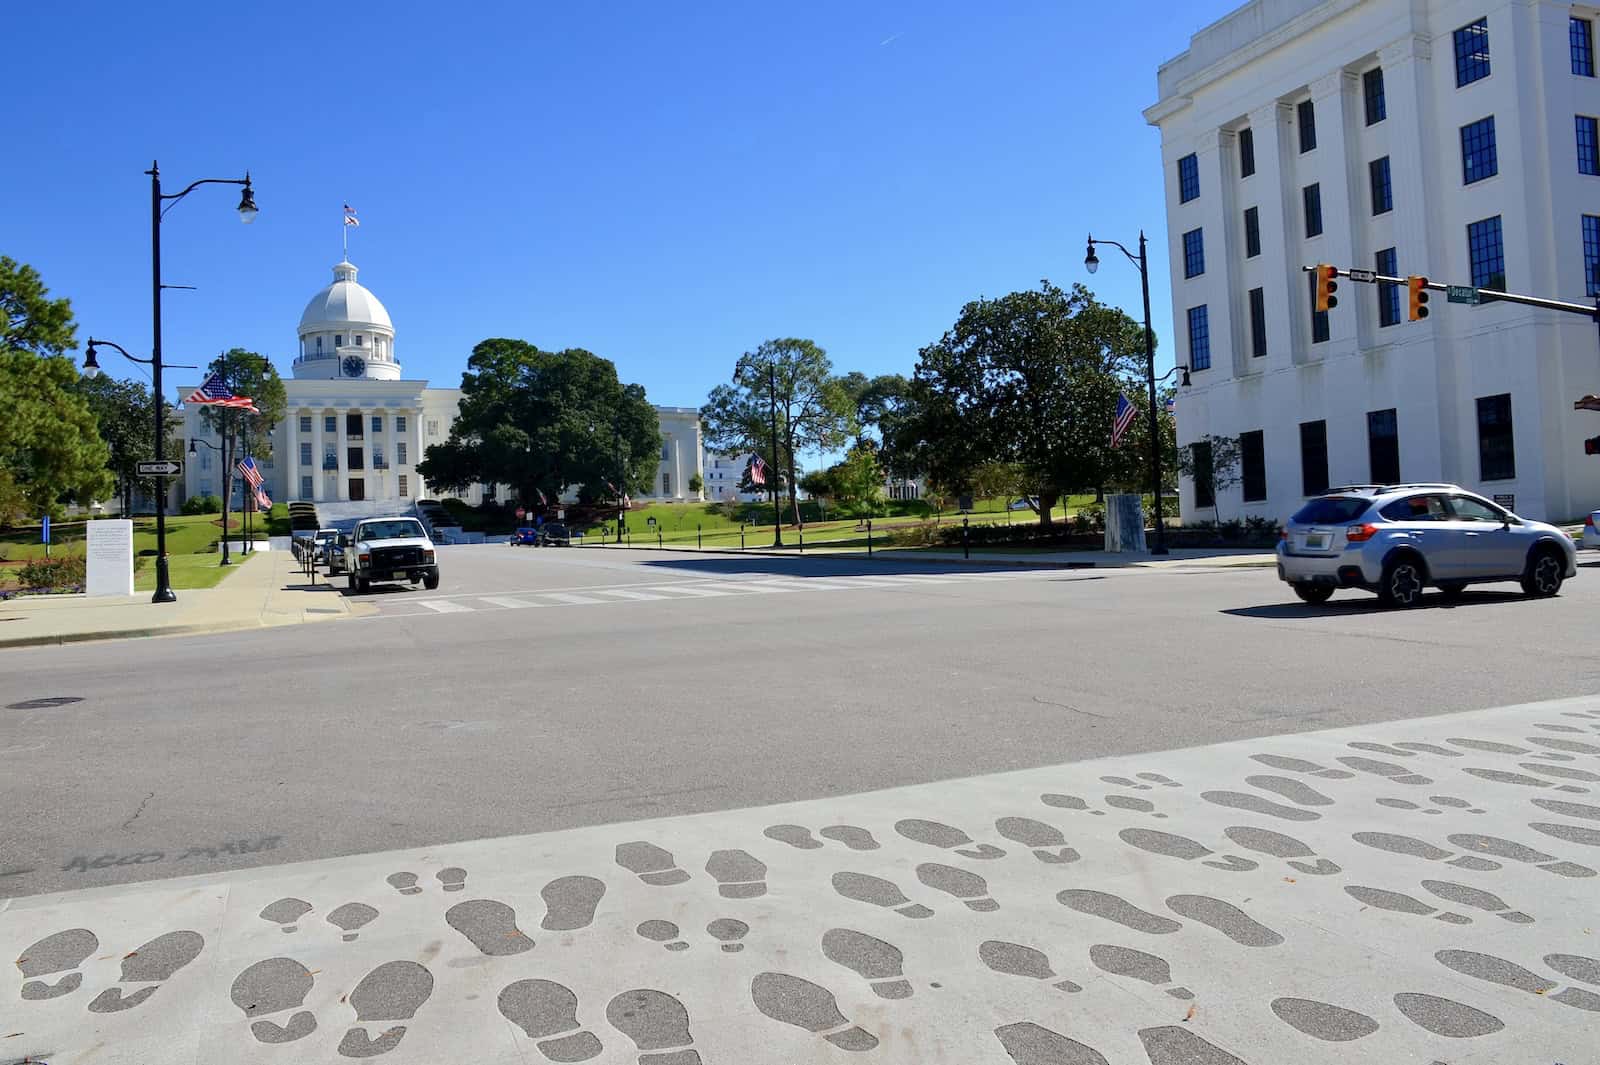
(1454, 139)
(354, 427)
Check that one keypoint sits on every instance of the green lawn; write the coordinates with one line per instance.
(188, 571)
(186, 534)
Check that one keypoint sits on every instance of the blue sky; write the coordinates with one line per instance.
(665, 185)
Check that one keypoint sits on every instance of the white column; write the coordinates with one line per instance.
(677, 470)
(317, 476)
(342, 489)
(414, 424)
(292, 437)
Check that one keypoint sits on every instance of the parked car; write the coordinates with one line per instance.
(1591, 535)
(555, 534)
(527, 536)
(325, 546)
(389, 549)
(1397, 539)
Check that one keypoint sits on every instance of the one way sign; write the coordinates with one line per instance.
(158, 468)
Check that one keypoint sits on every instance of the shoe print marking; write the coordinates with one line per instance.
(1397, 773)
(1382, 748)
(405, 883)
(1047, 842)
(1565, 772)
(970, 888)
(1446, 1017)
(1068, 802)
(857, 839)
(663, 932)
(1442, 800)
(947, 837)
(1300, 765)
(1172, 1045)
(650, 863)
(1463, 895)
(1569, 809)
(152, 964)
(1294, 790)
(728, 931)
(570, 902)
(547, 1013)
(1291, 850)
(1225, 918)
(1396, 844)
(351, 918)
(61, 952)
(1172, 846)
(1321, 1020)
(1157, 778)
(880, 964)
(1588, 837)
(275, 985)
(1128, 802)
(453, 878)
(878, 892)
(810, 1006)
(655, 1021)
(1558, 728)
(1125, 961)
(1510, 974)
(1395, 902)
(797, 836)
(490, 926)
(1505, 848)
(739, 875)
(1123, 912)
(1505, 776)
(1030, 1044)
(1576, 967)
(286, 912)
(1487, 745)
(1014, 959)
(1238, 800)
(394, 991)
(1555, 743)
(1124, 782)
(1428, 748)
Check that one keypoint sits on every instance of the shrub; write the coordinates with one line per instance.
(210, 504)
(63, 573)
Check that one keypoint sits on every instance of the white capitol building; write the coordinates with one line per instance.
(354, 427)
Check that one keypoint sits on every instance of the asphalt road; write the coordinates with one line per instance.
(426, 724)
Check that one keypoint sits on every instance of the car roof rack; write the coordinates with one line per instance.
(1394, 487)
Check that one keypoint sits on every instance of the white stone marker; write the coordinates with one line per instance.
(110, 557)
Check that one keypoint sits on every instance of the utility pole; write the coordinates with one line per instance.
(772, 401)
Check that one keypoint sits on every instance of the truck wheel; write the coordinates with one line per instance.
(363, 585)
(354, 586)
(431, 581)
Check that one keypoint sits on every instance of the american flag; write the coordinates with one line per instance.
(263, 501)
(215, 391)
(249, 471)
(1172, 404)
(758, 470)
(350, 218)
(542, 501)
(1126, 412)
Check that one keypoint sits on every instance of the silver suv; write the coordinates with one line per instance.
(1395, 539)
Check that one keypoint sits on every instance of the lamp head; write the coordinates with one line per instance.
(91, 365)
(1091, 261)
(191, 447)
(247, 202)
(1183, 376)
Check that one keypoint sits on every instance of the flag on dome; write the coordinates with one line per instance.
(215, 391)
(350, 218)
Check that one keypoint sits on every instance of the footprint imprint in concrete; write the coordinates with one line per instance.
(1562, 771)
(1510, 974)
(970, 888)
(1381, 748)
(650, 863)
(857, 839)
(351, 918)
(570, 902)
(60, 952)
(663, 932)
(878, 892)
(1295, 791)
(728, 932)
(1015, 959)
(547, 1013)
(1517, 852)
(1031, 1044)
(1225, 918)
(1238, 800)
(1505, 776)
(453, 878)
(655, 1021)
(490, 926)
(1129, 802)
(1147, 839)
(286, 912)
(1576, 967)
(405, 883)
(1067, 802)
(1112, 908)
(1397, 844)
(152, 964)
(880, 964)
(739, 875)
(1446, 1017)
(275, 985)
(1048, 844)
(810, 1006)
(1124, 782)
(1125, 961)
(1555, 743)
(797, 836)
(1580, 834)
(1428, 748)
(1291, 850)
(394, 991)
(1442, 800)
(1463, 895)
(1549, 727)
(1300, 765)
(947, 837)
(1569, 809)
(1322, 1020)
(1172, 1045)
(1487, 745)
(1397, 773)
(1395, 902)
(1157, 778)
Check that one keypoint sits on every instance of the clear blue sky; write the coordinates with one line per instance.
(664, 184)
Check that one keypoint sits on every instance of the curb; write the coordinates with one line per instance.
(197, 629)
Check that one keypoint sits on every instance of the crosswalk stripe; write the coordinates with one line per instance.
(697, 591)
(760, 587)
(571, 597)
(509, 602)
(621, 594)
(444, 606)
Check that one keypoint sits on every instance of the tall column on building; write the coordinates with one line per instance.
(342, 455)
(677, 470)
(291, 434)
(318, 493)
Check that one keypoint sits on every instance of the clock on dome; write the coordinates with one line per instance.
(354, 366)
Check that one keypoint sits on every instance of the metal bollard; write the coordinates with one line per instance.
(869, 537)
(802, 541)
(741, 537)
(966, 545)
(699, 542)
(658, 539)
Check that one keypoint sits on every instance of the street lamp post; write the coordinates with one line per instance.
(1091, 262)
(226, 493)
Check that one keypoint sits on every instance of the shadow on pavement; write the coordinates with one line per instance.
(1369, 605)
(824, 566)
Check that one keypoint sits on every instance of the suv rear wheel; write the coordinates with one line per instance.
(1312, 593)
(1546, 571)
(1402, 582)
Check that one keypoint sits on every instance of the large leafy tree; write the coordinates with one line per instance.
(123, 409)
(546, 421)
(1029, 379)
(789, 381)
(247, 374)
(875, 402)
(50, 449)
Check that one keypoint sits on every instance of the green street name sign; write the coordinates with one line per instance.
(1461, 294)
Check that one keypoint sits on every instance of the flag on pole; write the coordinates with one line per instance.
(1172, 404)
(542, 501)
(249, 471)
(215, 391)
(263, 501)
(350, 218)
(1123, 418)
(758, 470)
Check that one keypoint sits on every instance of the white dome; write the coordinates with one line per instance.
(344, 304)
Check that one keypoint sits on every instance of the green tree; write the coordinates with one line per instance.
(792, 379)
(123, 410)
(50, 448)
(696, 483)
(874, 401)
(546, 421)
(1029, 379)
(858, 480)
(247, 374)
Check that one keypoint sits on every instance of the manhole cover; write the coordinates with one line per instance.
(47, 703)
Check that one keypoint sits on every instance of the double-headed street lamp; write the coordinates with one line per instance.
(227, 495)
(247, 214)
(1091, 262)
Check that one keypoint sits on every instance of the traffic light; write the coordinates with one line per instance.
(1417, 290)
(1591, 446)
(1327, 285)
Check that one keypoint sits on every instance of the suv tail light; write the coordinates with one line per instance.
(1360, 534)
(1588, 521)
(1283, 532)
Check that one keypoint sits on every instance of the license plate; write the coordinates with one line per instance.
(1316, 541)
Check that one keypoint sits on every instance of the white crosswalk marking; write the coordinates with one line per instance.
(509, 602)
(696, 590)
(571, 597)
(624, 594)
(444, 606)
(759, 587)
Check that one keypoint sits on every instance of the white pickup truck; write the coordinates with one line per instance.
(389, 549)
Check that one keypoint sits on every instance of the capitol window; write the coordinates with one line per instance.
(358, 340)
(338, 341)
(319, 343)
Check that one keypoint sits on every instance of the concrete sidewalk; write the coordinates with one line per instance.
(267, 588)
